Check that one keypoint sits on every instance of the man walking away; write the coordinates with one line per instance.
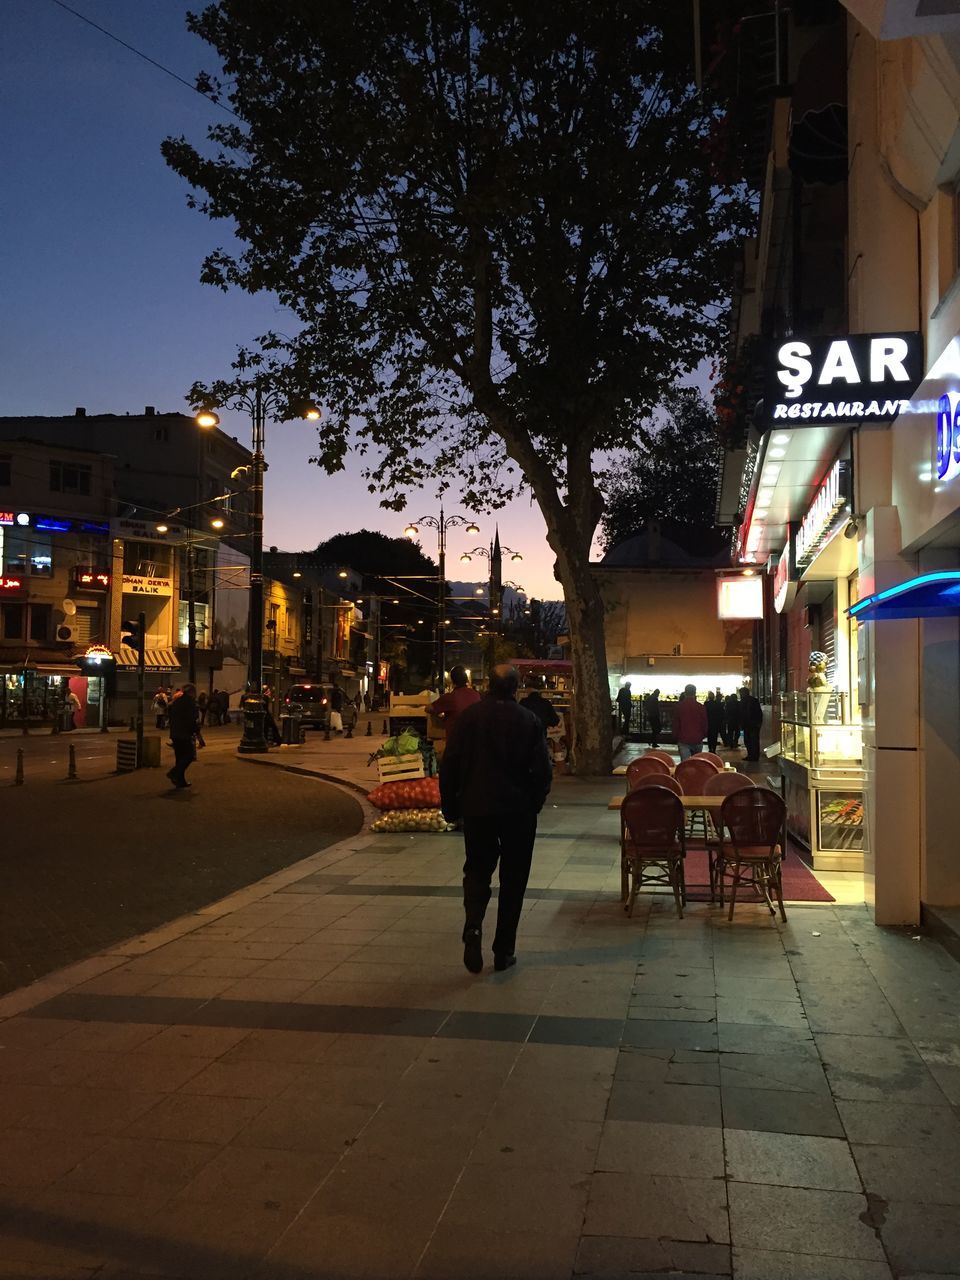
(495, 774)
(336, 709)
(544, 711)
(184, 728)
(714, 710)
(751, 719)
(449, 705)
(654, 718)
(689, 723)
(624, 707)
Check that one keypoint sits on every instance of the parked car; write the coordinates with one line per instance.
(311, 702)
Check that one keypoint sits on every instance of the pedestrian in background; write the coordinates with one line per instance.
(731, 720)
(336, 708)
(203, 703)
(624, 707)
(495, 775)
(689, 723)
(751, 719)
(184, 733)
(448, 706)
(544, 710)
(654, 718)
(160, 707)
(71, 705)
(714, 710)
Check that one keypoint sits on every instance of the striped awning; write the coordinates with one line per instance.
(159, 661)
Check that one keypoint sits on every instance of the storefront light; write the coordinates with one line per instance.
(23, 518)
(776, 453)
(782, 437)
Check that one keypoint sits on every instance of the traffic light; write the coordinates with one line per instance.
(131, 634)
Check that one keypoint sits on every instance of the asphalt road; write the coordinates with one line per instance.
(85, 864)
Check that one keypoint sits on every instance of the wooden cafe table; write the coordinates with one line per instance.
(702, 803)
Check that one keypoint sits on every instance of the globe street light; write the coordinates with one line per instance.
(260, 401)
(441, 523)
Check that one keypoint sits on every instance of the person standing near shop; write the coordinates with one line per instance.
(731, 720)
(689, 723)
(161, 705)
(184, 733)
(624, 708)
(654, 718)
(544, 711)
(71, 706)
(751, 720)
(714, 710)
(495, 776)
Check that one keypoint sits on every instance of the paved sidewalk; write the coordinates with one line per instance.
(303, 1081)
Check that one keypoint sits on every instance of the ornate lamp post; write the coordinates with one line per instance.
(259, 401)
(441, 523)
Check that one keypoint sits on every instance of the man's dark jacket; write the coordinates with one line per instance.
(751, 712)
(183, 717)
(542, 709)
(495, 762)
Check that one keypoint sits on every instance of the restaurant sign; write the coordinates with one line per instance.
(821, 522)
(863, 377)
(138, 584)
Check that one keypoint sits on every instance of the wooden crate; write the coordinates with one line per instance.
(400, 768)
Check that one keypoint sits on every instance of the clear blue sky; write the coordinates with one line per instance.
(100, 257)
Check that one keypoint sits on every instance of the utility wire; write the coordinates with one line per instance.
(194, 88)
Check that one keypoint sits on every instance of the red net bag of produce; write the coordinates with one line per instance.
(417, 793)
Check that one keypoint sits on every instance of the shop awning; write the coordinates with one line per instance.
(157, 661)
(931, 595)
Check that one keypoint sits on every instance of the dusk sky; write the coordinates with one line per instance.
(100, 260)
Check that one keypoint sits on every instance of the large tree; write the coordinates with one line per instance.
(671, 476)
(501, 229)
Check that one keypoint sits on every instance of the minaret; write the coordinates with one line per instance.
(496, 572)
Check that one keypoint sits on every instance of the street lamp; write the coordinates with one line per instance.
(442, 523)
(259, 401)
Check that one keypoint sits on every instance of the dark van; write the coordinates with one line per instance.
(311, 702)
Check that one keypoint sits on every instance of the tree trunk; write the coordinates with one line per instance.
(592, 746)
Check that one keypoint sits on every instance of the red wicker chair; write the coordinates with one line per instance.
(652, 842)
(721, 784)
(645, 768)
(654, 753)
(753, 824)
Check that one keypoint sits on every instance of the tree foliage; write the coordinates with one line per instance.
(671, 476)
(500, 229)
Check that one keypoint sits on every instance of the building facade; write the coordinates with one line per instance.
(843, 487)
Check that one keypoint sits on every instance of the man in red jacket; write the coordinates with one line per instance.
(689, 723)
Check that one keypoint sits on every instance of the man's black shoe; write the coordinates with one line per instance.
(472, 954)
(502, 962)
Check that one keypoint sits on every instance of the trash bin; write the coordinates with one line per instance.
(290, 733)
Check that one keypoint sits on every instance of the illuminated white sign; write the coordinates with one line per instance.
(740, 597)
(948, 436)
(138, 584)
(819, 521)
(784, 586)
(862, 377)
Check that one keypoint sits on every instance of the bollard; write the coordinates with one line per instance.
(18, 780)
(72, 763)
(326, 732)
(349, 732)
(386, 727)
(369, 733)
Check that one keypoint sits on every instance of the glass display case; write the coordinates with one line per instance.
(821, 760)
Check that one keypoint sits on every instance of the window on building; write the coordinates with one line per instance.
(11, 621)
(4, 470)
(40, 619)
(147, 559)
(69, 477)
(162, 434)
(88, 625)
(288, 619)
(201, 621)
(27, 553)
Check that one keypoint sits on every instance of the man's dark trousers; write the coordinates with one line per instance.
(183, 751)
(508, 839)
(751, 740)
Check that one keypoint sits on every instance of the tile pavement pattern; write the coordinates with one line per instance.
(304, 1082)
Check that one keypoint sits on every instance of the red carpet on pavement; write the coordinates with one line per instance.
(799, 882)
